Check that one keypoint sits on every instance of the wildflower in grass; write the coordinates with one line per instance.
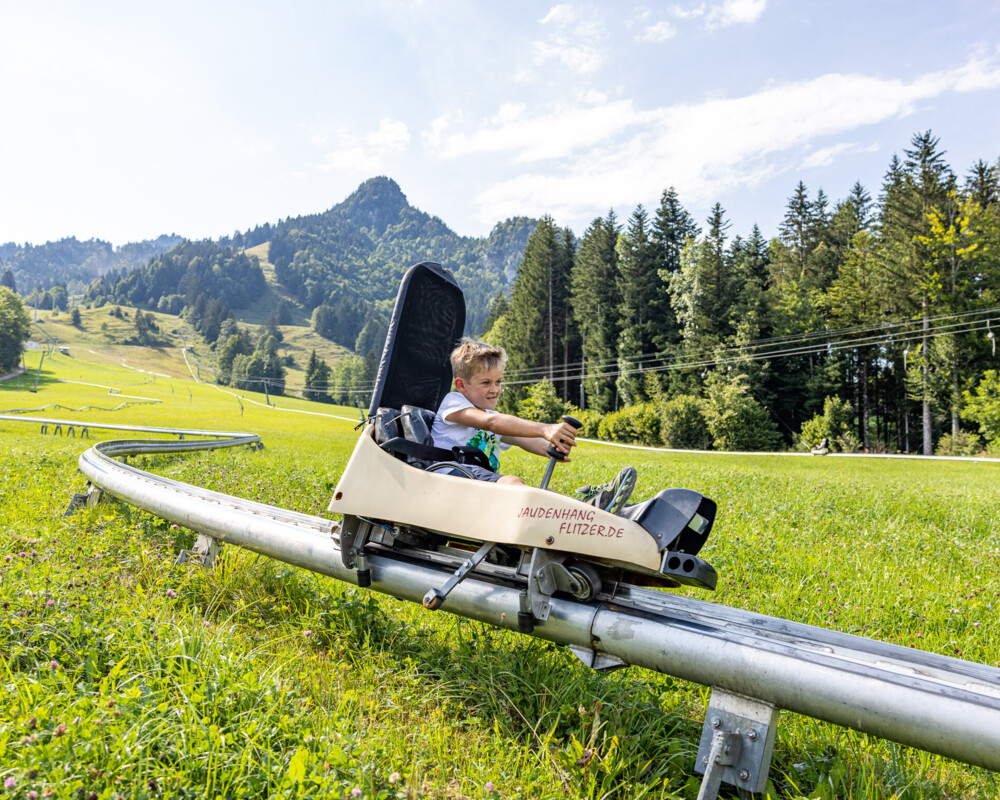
(32, 795)
(50, 602)
(7, 559)
(355, 792)
(61, 730)
(171, 594)
(489, 787)
(394, 778)
(10, 783)
(307, 633)
(53, 665)
(22, 554)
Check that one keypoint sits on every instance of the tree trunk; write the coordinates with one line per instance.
(956, 394)
(925, 374)
(552, 355)
(865, 411)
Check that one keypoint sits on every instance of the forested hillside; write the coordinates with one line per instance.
(342, 266)
(72, 263)
(340, 269)
(868, 321)
(355, 254)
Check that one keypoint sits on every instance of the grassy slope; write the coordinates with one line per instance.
(101, 336)
(124, 676)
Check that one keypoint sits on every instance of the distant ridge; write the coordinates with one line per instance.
(343, 264)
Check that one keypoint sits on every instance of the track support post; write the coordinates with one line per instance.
(737, 742)
(204, 553)
(88, 498)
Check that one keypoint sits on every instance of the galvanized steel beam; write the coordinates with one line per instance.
(936, 703)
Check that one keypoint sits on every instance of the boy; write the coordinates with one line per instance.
(468, 416)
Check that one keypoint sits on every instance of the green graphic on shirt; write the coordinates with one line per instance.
(487, 442)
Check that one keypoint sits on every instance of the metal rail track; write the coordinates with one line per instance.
(754, 663)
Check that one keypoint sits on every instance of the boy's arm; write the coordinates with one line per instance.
(533, 444)
(561, 435)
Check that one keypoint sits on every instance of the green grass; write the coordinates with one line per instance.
(123, 676)
(102, 338)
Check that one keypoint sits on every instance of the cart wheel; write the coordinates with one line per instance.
(587, 578)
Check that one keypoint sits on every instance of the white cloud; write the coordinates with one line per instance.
(559, 134)
(825, 156)
(367, 152)
(562, 14)
(435, 137)
(720, 15)
(580, 58)
(688, 13)
(659, 32)
(735, 12)
(978, 73)
(392, 136)
(612, 154)
(578, 43)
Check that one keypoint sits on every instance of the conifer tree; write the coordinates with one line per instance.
(498, 307)
(638, 282)
(750, 314)
(7, 279)
(707, 287)
(536, 323)
(141, 323)
(317, 386)
(284, 313)
(595, 300)
(982, 184)
(15, 327)
(859, 297)
(673, 227)
(911, 192)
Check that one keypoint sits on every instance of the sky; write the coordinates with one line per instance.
(122, 121)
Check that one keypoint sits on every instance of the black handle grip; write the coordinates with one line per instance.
(551, 452)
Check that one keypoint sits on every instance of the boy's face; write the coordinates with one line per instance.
(482, 389)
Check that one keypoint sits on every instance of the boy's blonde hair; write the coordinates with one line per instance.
(472, 357)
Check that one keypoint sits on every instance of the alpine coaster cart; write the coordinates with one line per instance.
(394, 496)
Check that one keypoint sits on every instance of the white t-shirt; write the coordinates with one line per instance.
(454, 434)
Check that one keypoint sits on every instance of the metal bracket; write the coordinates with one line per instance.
(545, 576)
(205, 551)
(86, 499)
(737, 742)
(353, 535)
(435, 597)
(596, 660)
(724, 754)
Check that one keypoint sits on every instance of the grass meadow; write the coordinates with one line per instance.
(126, 677)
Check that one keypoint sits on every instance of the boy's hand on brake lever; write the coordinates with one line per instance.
(562, 436)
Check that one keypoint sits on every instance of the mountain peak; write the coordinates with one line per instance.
(376, 204)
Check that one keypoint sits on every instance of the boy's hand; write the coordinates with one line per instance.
(561, 435)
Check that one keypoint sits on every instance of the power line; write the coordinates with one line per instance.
(710, 354)
(740, 353)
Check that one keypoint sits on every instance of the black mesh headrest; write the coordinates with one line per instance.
(426, 325)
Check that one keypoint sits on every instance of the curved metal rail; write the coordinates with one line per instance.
(936, 703)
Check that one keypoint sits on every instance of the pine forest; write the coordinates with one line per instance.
(867, 324)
